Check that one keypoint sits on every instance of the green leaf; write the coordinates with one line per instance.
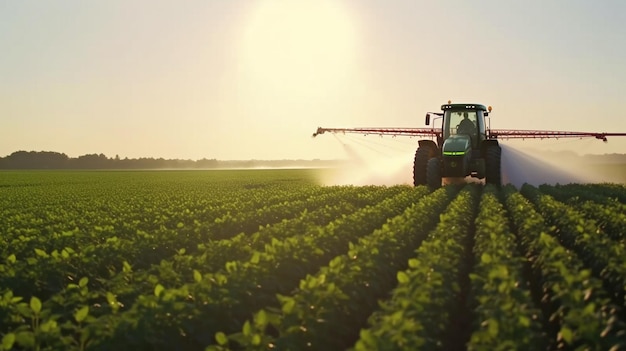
(7, 341)
(26, 339)
(111, 299)
(83, 282)
(247, 329)
(414, 263)
(589, 309)
(256, 257)
(288, 305)
(524, 321)
(485, 258)
(493, 327)
(81, 314)
(48, 326)
(41, 253)
(197, 276)
(566, 334)
(403, 278)
(367, 337)
(334, 262)
(12, 259)
(35, 304)
(158, 290)
(221, 338)
(261, 319)
(126, 268)
(231, 266)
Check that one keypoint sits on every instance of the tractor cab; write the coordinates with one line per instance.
(464, 120)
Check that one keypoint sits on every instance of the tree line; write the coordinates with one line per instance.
(56, 160)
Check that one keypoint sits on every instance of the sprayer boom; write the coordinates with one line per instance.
(424, 132)
(546, 134)
(492, 133)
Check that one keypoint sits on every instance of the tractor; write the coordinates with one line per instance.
(463, 148)
(464, 145)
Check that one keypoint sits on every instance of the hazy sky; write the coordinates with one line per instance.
(243, 79)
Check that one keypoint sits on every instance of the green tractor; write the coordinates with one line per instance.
(463, 148)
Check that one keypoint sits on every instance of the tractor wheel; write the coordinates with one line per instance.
(492, 165)
(422, 155)
(433, 173)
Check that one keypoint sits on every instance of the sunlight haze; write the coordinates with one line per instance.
(254, 79)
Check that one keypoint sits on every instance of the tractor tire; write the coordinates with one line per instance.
(422, 155)
(493, 156)
(433, 173)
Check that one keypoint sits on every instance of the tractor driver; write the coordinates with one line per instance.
(466, 126)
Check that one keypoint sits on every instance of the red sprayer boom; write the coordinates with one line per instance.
(493, 133)
(543, 134)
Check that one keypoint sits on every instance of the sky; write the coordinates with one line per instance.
(244, 79)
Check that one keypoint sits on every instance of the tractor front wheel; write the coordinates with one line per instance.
(493, 156)
(433, 173)
(422, 155)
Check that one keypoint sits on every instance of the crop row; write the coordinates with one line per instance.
(580, 192)
(605, 257)
(609, 214)
(577, 311)
(505, 316)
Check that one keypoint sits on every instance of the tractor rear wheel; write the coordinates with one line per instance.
(493, 156)
(433, 173)
(422, 155)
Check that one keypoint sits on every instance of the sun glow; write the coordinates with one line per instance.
(297, 49)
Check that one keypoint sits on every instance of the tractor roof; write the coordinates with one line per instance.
(463, 107)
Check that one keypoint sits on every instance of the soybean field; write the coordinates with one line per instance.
(272, 260)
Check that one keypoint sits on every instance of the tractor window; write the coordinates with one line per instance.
(463, 122)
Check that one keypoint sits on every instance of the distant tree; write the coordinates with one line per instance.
(35, 160)
(91, 161)
(55, 160)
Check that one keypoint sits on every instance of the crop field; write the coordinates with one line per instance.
(271, 260)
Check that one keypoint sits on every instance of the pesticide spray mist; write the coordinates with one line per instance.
(519, 167)
(535, 166)
(373, 163)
